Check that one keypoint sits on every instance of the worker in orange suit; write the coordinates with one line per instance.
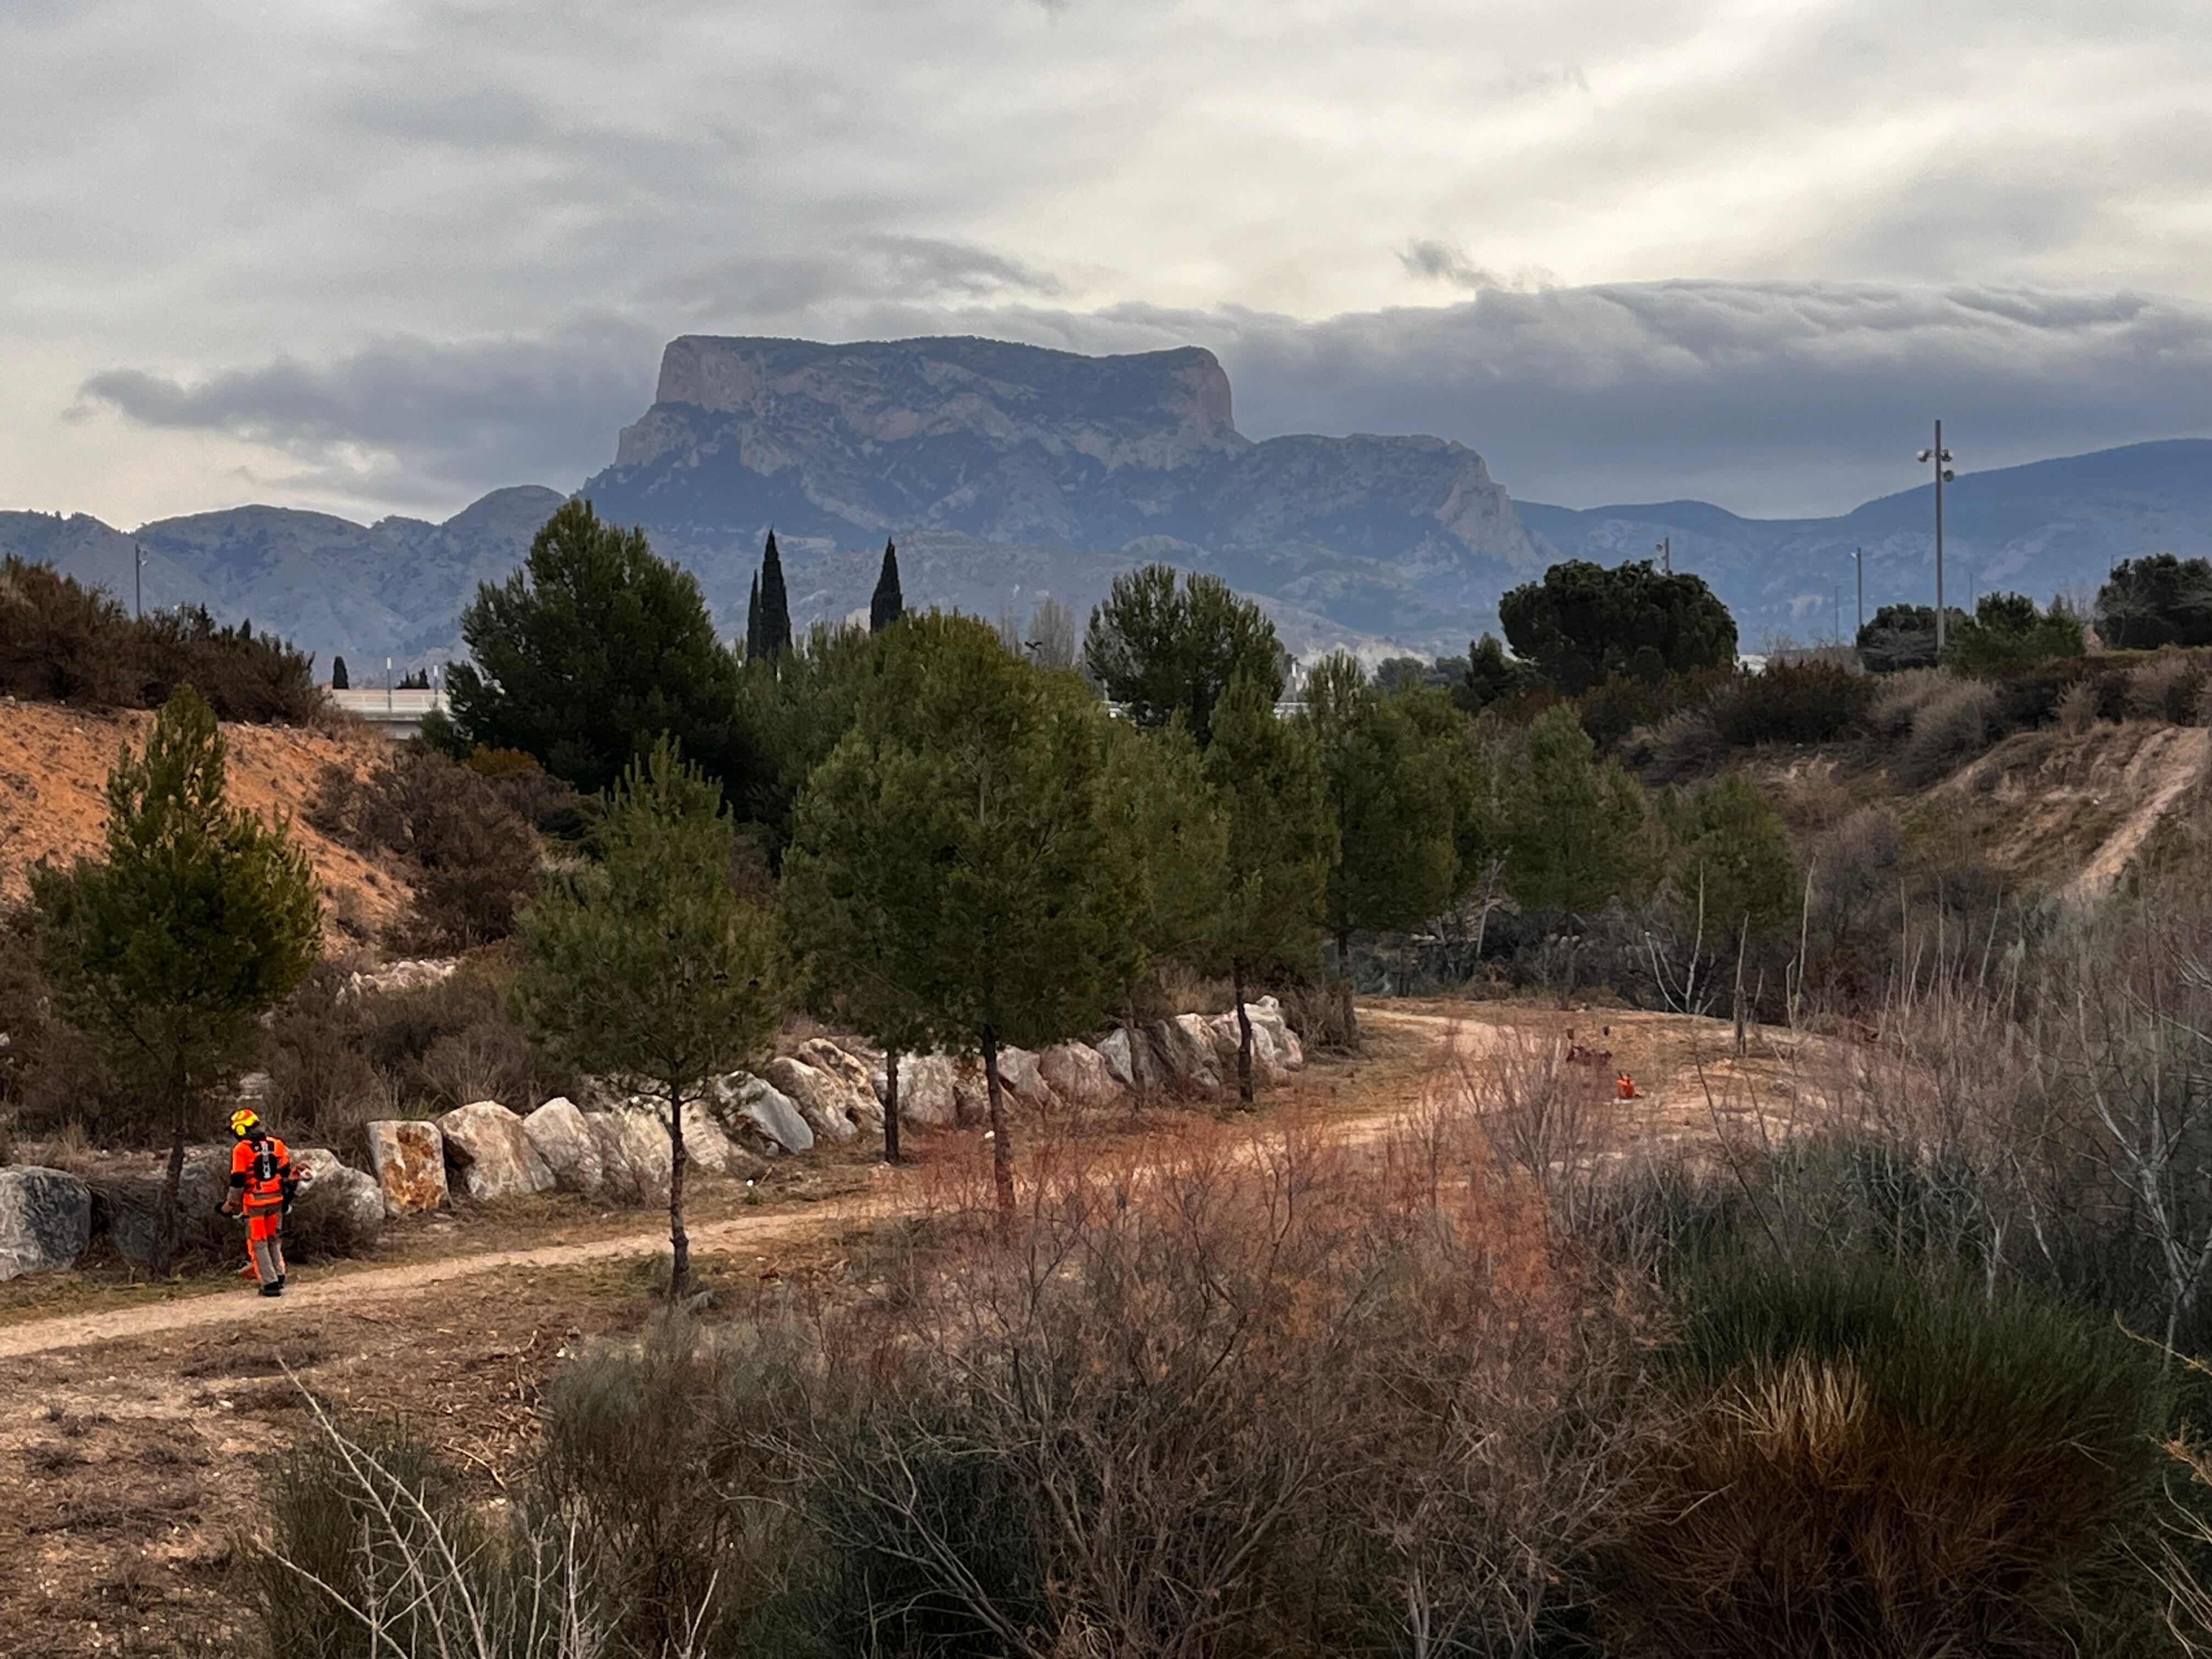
(262, 1188)
(1624, 1086)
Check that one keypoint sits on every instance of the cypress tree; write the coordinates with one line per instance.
(752, 620)
(339, 679)
(774, 604)
(889, 604)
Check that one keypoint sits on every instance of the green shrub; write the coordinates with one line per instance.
(1793, 702)
(1609, 712)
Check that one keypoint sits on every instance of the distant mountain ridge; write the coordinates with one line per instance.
(2039, 528)
(1010, 472)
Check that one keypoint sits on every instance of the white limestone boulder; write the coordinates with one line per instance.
(1267, 1068)
(489, 1149)
(634, 1158)
(929, 1090)
(1132, 1064)
(335, 1199)
(1268, 1012)
(1078, 1075)
(1185, 1045)
(562, 1135)
(708, 1144)
(855, 1083)
(408, 1158)
(818, 1096)
(1020, 1074)
(767, 1112)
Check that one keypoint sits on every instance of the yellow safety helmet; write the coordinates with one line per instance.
(241, 1120)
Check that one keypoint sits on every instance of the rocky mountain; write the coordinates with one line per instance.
(982, 445)
(2041, 529)
(1009, 472)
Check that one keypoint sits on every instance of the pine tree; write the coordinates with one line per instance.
(649, 963)
(1578, 827)
(752, 620)
(198, 919)
(1281, 840)
(340, 680)
(1395, 860)
(952, 857)
(590, 652)
(1165, 651)
(889, 604)
(776, 605)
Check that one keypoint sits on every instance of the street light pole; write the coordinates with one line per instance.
(1858, 563)
(1941, 457)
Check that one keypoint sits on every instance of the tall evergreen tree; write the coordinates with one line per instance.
(649, 963)
(752, 620)
(197, 919)
(775, 602)
(1578, 827)
(1395, 861)
(1280, 840)
(340, 680)
(1164, 650)
(953, 854)
(888, 604)
(591, 651)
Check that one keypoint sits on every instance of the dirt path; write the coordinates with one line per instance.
(1651, 1044)
(2169, 762)
(349, 1292)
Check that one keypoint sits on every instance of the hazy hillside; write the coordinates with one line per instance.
(1008, 473)
(329, 585)
(2039, 528)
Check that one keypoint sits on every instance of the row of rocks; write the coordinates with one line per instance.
(49, 1217)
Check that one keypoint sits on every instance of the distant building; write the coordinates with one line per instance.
(396, 713)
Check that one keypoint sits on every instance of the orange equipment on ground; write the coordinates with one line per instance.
(262, 1185)
(1624, 1086)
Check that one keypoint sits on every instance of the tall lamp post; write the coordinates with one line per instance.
(1941, 457)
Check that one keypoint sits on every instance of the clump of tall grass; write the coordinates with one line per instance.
(374, 1554)
(1868, 1459)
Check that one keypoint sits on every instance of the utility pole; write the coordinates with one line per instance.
(1665, 549)
(1941, 457)
(1858, 562)
(387, 685)
(138, 581)
(1836, 611)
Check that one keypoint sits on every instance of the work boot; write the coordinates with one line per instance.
(277, 1289)
(281, 1278)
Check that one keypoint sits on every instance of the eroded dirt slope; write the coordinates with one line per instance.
(54, 763)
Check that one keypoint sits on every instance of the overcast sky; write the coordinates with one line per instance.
(382, 257)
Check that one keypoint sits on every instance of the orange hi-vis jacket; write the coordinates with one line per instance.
(260, 1170)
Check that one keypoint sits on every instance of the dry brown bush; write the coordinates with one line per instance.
(2169, 687)
(472, 861)
(1241, 1394)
